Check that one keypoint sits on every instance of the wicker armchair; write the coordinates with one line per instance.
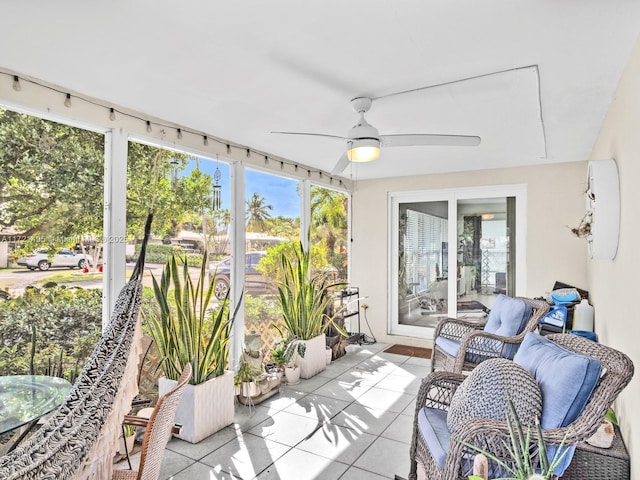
(437, 390)
(158, 430)
(459, 345)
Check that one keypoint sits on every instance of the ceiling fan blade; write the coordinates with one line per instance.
(429, 139)
(313, 135)
(342, 164)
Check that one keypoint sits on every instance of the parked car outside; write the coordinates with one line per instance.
(64, 258)
(254, 282)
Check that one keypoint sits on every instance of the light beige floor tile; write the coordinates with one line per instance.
(336, 368)
(282, 399)
(411, 370)
(400, 383)
(204, 447)
(246, 456)
(307, 385)
(286, 428)
(366, 351)
(420, 361)
(248, 417)
(200, 471)
(385, 399)
(400, 429)
(301, 465)
(385, 457)
(364, 419)
(173, 463)
(358, 412)
(317, 407)
(391, 357)
(346, 391)
(358, 474)
(410, 410)
(337, 443)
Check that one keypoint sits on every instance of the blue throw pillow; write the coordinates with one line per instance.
(567, 380)
(507, 318)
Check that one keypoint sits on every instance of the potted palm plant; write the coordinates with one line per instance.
(189, 330)
(304, 299)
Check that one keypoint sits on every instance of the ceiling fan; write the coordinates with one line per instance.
(364, 141)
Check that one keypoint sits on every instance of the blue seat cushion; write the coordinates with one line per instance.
(451, 348)
(507, 318)
(567, 380)
(432, 425)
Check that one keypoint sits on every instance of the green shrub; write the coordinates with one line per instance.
(67, 324)
(161, 253)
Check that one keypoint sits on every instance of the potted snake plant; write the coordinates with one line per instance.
(304, 299)
(191, 328)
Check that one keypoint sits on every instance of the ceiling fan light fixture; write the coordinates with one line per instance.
(364, 150)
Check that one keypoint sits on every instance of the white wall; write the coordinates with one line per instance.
(4, 254)
(614, 284)
(555, 200)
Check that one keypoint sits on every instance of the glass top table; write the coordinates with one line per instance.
(26, 398)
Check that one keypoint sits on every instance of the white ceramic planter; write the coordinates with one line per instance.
(292, 374)
(131, 440)
(204, 409)
(315, 358)
(249, 389)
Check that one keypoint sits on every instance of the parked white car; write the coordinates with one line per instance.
(65, 258)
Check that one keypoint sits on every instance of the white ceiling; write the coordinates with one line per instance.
(534, 79)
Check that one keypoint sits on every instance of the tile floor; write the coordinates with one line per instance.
(350, 422)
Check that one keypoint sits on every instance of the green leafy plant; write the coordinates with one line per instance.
(247, 372)
(128, 430)
(304, 298)
(522, 465)
(186, 330)
(278, 355)
(49, 331)
(611, 416)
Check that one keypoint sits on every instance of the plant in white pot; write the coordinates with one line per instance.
(127, 439)
(304, 300)
(246, 379)
(292, 352)
(188, 330)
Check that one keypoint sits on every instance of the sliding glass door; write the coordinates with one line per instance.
(452, 253)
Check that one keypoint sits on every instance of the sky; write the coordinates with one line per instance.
(280, 192)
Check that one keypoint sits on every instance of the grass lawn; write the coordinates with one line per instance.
(72, 276)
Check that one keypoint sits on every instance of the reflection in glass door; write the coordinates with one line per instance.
(423, 262)
(483, 264)
(453, 253)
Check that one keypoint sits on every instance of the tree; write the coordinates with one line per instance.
(286, 227)
(257, 213)
(50, 177)
(51, 183)
(330, 225)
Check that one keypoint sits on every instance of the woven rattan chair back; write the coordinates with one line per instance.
(476, 345)
(158, 431)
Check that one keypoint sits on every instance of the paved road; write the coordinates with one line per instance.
(14, 280)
